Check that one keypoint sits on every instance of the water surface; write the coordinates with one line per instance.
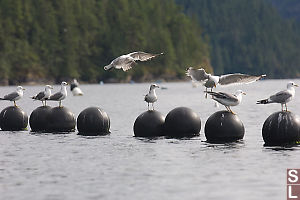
(119, 166)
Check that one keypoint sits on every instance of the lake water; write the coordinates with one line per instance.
(120, 166)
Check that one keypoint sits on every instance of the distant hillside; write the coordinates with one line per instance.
(288, 8)
(62, 39)
(248, 36)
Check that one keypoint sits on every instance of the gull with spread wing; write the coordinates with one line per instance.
(210, 81)
(281, 97)
(226, 99)
(14, 96)
(126, 62)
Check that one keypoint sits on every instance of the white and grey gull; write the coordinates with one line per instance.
(151, 97)
(43, 96)
(126, 62)
(282, 97)
(74, 87)
(61, 95)
(211, 81)
(226, 99)
(14, 96)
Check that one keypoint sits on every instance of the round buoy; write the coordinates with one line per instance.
(149, 124)
(13, 118)
(223, 126)
(281, 128)
(93, 121)
(38, 119)
(61, 119)
(182, 122)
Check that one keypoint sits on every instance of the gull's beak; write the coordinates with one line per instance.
(296, 85)
(215, 85)
(23, 88)
(244, 93)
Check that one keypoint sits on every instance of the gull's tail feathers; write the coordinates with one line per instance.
(264, 101)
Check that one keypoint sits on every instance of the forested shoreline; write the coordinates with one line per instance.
(51, 41)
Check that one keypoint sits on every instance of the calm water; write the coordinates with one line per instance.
(119, 166)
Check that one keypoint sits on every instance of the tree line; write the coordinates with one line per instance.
(248, 36)
(63, 39)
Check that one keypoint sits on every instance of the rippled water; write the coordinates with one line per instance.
(119, 166)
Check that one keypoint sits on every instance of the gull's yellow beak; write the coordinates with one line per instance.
(215, 85)
(244, 93)
(296, 85)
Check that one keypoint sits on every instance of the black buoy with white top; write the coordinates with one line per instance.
(281, 128)
(93, 121)
(149, 124)
(13, 118)
(182, 122)
(224, 126)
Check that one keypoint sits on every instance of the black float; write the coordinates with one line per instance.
(61, 119)
(281, 128)
(13, 118)
(182, 122)
(93, 121)
(149, 124)
(223, 126)
(38, 119)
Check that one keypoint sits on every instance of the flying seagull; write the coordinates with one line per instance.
(44, 95)
(281, 97)
(14, 96)
(210, 81)
(74, 86)
(151, 97)
(226, 99)
(127, 61)
(61, 95)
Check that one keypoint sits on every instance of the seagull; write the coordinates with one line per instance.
(76, 91)
(151, 96)
(127, 61)
(44, 95)
(227, 100)
(281, 97)
(210, 81)
(14, 96)
(61, 95)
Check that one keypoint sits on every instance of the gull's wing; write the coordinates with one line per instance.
(74, 85)
(281, 96)
(124, 62)
(197, 74)
(238, 79)
(223, 95)
(11, 96)
(56, 96)
(142, 56)
(39, 96)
